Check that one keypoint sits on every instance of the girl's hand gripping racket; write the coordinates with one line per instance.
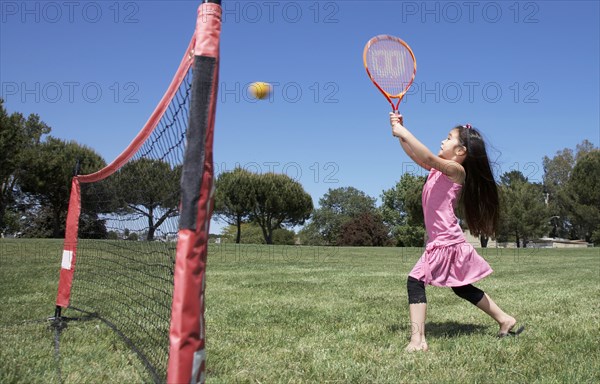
(391, 65)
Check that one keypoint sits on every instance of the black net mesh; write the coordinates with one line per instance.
(127, 239)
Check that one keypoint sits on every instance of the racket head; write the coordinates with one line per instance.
(391, 66)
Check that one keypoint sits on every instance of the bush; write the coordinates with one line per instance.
(310, 235)
(250, 234)
(366, 229)
(284, 236)
(410, 236)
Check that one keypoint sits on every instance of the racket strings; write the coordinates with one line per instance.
(391, 66)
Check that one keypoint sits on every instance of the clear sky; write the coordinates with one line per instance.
(526, 73)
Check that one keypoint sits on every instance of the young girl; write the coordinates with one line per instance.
(461, 171)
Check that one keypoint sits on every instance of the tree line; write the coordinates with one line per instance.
(565, 204)
(36, 171)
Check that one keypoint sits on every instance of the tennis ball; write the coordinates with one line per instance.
(260, 90)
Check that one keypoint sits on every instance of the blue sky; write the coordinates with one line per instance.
(525, 73)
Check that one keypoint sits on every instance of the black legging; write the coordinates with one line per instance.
(416, 292)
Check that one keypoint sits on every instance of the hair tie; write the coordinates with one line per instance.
(468, 126)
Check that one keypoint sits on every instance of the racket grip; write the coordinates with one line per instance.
(400, 117)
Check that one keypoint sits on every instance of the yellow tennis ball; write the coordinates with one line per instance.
(260, 90)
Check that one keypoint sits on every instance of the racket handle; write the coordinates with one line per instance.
(401, 118)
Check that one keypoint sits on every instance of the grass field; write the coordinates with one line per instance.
(325, 315)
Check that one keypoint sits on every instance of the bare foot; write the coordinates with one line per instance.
(414, 347)
(507, 325)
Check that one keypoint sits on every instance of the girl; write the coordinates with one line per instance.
(462, 171)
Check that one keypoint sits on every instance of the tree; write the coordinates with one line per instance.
(17, 134)
(583, 149)
(279, 201)
(149, 187)
(337, 207)
(39, 221)
(47, 182)
(557, 171)
(365, 229)
(234, 198)
(402, 211)
(583, 195)
(523, 213)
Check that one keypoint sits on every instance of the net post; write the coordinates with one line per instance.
(57, 322)
(77, 168)
(187, 353)
(57, 312)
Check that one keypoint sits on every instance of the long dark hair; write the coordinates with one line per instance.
(479, 200)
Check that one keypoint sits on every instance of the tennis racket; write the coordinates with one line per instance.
(391, 66)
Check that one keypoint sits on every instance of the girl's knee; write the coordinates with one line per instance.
(416, 291)
(470, 293)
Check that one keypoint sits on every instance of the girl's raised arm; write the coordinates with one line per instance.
(422, 155)
(412, 155)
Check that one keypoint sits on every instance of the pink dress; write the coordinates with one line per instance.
(448, 260)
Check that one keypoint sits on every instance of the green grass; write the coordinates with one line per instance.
(317, 315)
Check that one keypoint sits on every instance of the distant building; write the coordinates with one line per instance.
(548, 242)
(544, 242)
